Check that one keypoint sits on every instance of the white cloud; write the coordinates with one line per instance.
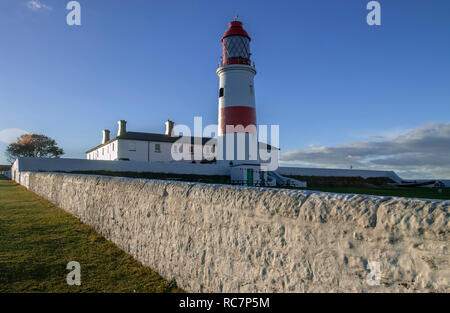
(419, 153)
(36, 5)
(380, 135)
(10, 135)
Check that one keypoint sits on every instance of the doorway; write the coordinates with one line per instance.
(249, 177)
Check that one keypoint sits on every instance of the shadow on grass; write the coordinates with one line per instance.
(38, 240)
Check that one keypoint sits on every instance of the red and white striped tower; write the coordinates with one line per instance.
(236, 88)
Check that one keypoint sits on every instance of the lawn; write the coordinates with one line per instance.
(38, 239)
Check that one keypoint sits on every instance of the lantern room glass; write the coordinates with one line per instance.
(236, 47)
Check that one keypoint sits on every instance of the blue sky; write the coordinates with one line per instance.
(329, 80)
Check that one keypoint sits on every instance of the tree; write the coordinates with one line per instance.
(35, 145)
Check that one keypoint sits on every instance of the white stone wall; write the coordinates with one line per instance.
(26, 164)
(219, 238)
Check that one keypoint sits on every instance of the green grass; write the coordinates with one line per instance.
(38, 239)
(342, 181)
(416, 192)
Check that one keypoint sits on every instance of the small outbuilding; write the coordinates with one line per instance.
(249, 175)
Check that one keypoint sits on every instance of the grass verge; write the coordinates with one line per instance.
(38, 239)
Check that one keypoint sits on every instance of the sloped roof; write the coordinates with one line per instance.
(157, 138)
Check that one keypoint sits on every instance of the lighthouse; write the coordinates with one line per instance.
(237, 140)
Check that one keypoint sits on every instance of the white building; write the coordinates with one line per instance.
(145, 147)
(152, 147)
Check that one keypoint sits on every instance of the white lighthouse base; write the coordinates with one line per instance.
(249, 175)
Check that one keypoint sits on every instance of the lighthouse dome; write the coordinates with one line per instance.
(235, 29)
(236, 45)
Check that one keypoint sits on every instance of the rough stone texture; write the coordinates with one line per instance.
(218, 238)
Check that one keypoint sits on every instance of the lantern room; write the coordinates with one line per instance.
(236, 45)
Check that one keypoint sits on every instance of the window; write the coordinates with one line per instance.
(220, 92)
(132, 146)
(103, 151)
(251, 89)
(191, 149)
(157, 147)
(112, 146)
(237, 47)
(177, 148)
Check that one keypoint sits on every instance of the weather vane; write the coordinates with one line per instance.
(236, 16)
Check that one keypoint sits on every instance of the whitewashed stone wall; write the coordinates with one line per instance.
(218, 238)
(28, 164)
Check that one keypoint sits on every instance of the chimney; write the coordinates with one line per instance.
(169, 128)
(122, 128)
(105, 136)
